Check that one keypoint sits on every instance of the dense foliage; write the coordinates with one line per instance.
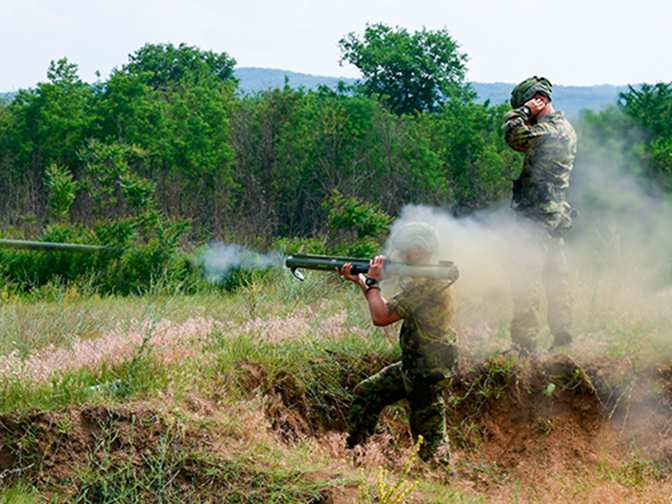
(410, 72)
(167, 152)
(244, 167)
(651, 107)
(633, 136)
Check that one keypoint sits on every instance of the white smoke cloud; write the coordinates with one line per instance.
(477, 244)
(480, 247)
(219, 260)
(619, 255)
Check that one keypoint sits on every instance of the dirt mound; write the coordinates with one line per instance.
(508, 414)
(98, 454)
(298, 410)
(508, 418)
(49, 445)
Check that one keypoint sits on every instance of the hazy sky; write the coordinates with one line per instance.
(572, 42)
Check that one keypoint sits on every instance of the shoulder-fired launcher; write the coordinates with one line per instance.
(57, 247)
(444, 270)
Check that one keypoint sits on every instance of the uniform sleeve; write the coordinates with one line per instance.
(518, 134)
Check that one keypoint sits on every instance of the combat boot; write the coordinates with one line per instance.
(561, 339)
(440, 461)
(523, 349)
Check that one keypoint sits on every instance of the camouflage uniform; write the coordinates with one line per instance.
(428, 345)
(544, 217)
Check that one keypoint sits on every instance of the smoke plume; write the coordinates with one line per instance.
(220, 260)
(619, 255)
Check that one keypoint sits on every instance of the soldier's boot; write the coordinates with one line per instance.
(353, 440)
(561, 339)
(440, 460)
(523, 348)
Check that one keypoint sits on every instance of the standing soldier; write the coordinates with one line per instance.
(428, 346)
(548, 141)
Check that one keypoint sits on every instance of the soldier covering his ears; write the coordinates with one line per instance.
(427, 341)
(549, 143)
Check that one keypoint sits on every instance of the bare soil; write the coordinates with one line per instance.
(518, 428)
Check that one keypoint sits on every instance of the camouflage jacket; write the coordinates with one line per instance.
(550, 148)
(426, 305)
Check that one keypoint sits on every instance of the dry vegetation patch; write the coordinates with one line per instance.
(591, 427)
(521, 428)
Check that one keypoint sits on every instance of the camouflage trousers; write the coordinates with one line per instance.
(539, 263)
(392, 384)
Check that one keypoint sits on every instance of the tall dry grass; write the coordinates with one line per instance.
(285, 325)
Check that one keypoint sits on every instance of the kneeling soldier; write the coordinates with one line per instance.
(427, 341)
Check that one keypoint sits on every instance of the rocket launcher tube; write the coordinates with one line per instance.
(57, 247)
(445, 270)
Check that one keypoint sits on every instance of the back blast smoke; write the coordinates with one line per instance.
(618, 252)
(220, 260)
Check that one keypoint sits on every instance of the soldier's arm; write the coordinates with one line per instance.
(380, 312)
(381, 315)
(518, 132)
(515, 129)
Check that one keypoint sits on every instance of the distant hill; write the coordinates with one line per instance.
(570, 99)
(258, 79)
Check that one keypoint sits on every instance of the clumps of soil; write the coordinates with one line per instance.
(48, 446)
(509, 414)
(508, 418)
(505, 414)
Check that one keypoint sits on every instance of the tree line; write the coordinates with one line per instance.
(169, 132)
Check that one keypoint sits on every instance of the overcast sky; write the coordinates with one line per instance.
(572, 42)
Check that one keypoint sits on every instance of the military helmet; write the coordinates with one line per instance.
(416, 235)
(526, 90)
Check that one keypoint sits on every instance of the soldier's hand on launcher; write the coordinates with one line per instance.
(377, 268)
(346, 273)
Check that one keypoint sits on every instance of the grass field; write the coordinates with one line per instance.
(242, 397)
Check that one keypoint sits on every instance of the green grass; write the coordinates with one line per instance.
(20, 493)
(309, 341)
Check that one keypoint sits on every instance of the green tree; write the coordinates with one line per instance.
(114, 188)
(651, 107)
(175, 102)
(661, 159)
(411, 73)
(42, 127)
(356, 227)
(479, 167)
(51, 121)
(609, 137)
(270, 142)
(167, 134)
(130, 111)
(342, 143)
(62, 191)
(163, 65)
